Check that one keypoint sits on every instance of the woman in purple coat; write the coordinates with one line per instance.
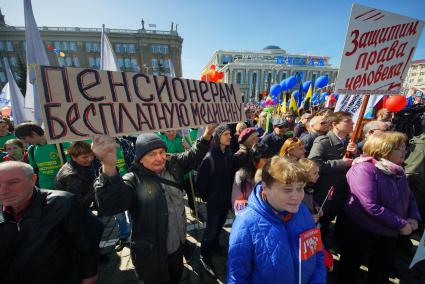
(380, 207)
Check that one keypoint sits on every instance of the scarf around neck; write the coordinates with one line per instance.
(384, 165)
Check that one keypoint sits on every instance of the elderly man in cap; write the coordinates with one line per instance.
(153, 194)
(276, 139)
(45, 235)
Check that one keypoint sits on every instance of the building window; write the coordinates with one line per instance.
(419, 80)
(239, 78)
(57, 45)
(1, 46)
(13, 61)
(65, 46)
(92, 47)
(134, 64)
(76, 61)
(73, 46)
(155, 66)
(9, 46)
(120, 62)
(127, 63)
(159, 48)
(97, 62)
(226, 59)
(68, 61)
(92, 62)
(131, 48)
(118, 47)
(61, 61)
(2, 77)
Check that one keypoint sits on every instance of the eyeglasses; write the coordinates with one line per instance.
(281, 126)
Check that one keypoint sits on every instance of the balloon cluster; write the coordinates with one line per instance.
(212, 75)
(56, 51)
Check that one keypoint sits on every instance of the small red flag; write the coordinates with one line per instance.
(331, 192)
(310, 243)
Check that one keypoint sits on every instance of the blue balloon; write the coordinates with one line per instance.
(322, 81)
(306, 85)
(280, 101)
(56, 51)
(283, 85)
(275, 89)
(315, 96)
(296, 94)
(291, 82)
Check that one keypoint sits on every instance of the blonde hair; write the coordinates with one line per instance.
(284, 171)
(290, 144)
(308, 165)
(381, 145)
(262, 119)
(239, 126)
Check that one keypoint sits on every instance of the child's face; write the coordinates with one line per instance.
(314, 175)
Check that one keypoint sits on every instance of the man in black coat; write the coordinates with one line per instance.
(45, 235)
(214, 181)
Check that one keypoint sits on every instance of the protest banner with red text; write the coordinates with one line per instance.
(378, 50)
(78, 103)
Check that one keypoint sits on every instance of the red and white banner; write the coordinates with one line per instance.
(378, 49)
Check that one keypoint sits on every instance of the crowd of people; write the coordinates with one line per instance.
(286, 177)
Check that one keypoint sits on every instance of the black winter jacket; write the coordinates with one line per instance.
(215, 179)
(78, 180)
(143, 195)
(56, 241)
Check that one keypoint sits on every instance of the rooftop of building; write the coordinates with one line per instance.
(90, 30)
(419, 61)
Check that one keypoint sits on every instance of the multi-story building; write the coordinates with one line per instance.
(142, 50)
(255, 72)
(415, 79)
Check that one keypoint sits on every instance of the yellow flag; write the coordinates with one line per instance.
(293, 104)
(284, 104)
(309, 94)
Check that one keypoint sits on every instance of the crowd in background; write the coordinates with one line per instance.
(281, 174)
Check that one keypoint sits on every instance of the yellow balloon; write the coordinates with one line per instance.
(61, 54)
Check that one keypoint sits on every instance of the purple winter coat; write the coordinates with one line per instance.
(378, 202)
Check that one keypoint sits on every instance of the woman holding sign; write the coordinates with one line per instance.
(274, 240)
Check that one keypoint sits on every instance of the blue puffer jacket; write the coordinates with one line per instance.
(264, 249)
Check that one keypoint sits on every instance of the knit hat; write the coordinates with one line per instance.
(219, 131)
(245, 134)
(147, 142)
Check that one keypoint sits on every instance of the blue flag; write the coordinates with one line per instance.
(300, 95)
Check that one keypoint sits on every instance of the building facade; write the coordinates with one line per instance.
(255, 72)
(142, 50)
(415, 79)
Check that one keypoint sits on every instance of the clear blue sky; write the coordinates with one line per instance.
(297, 26)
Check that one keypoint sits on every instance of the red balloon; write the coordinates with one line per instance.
(220, 75)
(395, 103)
(212, 76)
(204, 77)
(212, 67)
(50, 47)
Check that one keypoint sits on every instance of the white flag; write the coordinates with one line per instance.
(19, 113)
(352, 104)
(36, 54)
(4, 96)
(108, 61)
(171, 66)
(420, 252)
